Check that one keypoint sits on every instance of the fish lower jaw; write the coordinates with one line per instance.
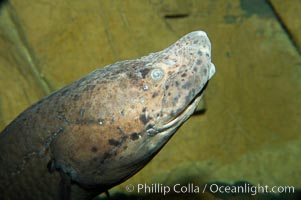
(165, 132)
(169, 128)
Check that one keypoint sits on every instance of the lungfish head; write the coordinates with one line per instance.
(171, 84)
(134, 108)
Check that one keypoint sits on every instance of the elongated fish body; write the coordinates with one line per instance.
(100, 130)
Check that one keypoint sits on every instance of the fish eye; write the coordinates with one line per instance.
(157, 74)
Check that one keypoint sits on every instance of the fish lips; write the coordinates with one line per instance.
(172, 125)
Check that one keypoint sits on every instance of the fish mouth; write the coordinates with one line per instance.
(183, 115)
(171, 126)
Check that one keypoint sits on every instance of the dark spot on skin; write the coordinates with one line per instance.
(150, 126)
(175, 100)
(193, 92)
(114, 142)
(132, 75)
(177, 83)
(187, 85)
(155, 94)
(144, 72)
(112, 119)
(184, 75)
(169, 93)
(166, 87)
(122, 113)
(172, 113)
(187, 99)
(144, 109)
(195, 69)
(205, 71)
(143, 118)
(207, 55)
(198, 62)
(200, 53)
(190, 96)
(75, 97)
(94, 149)
(134, 136)
(120, 131)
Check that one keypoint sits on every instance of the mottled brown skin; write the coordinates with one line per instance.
(100, 130)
